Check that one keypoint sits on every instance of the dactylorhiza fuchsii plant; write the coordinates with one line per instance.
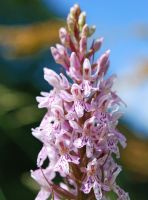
(78, 131)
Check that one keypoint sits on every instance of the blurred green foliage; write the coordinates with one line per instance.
(23, 11)
(20, 82)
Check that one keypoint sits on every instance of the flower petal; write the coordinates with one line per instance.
(57, 111)
(52, 77)
(122, 195)
(87, 88)
(62, 166)
(66, 96)
(80, 142)
(64, 36)
(79, 108)
(74, 61)
(83, 45)
(121, 138)
(89, 149)
(87, 185)
(71, 115)
(75, 126)
(43, 194)
(42, 156)
(71, 158)
(86, 69)
(115, 172)
(97, 44)
(64, 82)
(109, 82)
(97, 190)
(38, 176)
(103, 62)
(76, 91)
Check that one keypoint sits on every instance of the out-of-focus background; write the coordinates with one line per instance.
(27, 29)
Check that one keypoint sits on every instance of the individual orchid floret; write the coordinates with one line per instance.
(76, 98)
(95, 46)
(55, 80)
(60, 55)
(103, 62)
(45, 190)
(86, 138)
(62, 164)
(64, 37)
(51, 77)
(92, 180)
(78, 101)
(75, 11)
(79, 130)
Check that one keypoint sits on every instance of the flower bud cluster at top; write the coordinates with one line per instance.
(78, 131)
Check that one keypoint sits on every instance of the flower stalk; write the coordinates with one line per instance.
(78, 131)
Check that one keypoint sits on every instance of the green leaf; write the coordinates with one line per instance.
(2, 197)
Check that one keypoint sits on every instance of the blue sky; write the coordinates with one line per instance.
(118, 21)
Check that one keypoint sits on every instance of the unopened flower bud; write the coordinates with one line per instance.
(91, 30)
(63, 52)
(75, 11)
(61, 49)
(64, 36)
(97, 44)
(72, 12)
(51, 77)
(104, 62)
(71, 24)
(81, 20)
(56, 54)
(85, 30)
(86, 69)
(60, 55)
(74, 61)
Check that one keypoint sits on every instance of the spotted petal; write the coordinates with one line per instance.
(66, 96)
(89, 149)
(62, 166)
(87, 88)
(87, 185)
(42, 156)
(97, 190)
(71, 158)
(80, 142)
(122, 195)
(79, 108)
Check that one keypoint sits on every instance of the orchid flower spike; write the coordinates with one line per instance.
(78, 132)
